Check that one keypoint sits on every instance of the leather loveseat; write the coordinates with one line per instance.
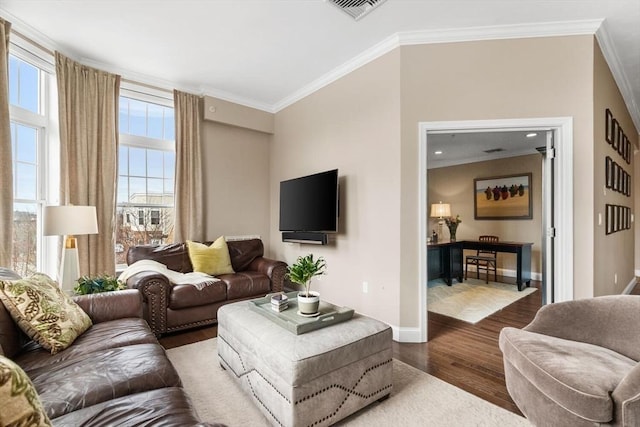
(115, 373)
(172, 307)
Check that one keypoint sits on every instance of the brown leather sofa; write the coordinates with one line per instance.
(115, 373)
(170, 308)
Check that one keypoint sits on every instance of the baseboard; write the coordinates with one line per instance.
(630, 286)
(509, 273)
(403, 334)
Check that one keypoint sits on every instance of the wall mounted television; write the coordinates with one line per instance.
(309, 207)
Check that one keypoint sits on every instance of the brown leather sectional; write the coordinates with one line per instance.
(169, 308)
(115, 373)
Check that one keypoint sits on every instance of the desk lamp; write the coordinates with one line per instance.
(440, 210)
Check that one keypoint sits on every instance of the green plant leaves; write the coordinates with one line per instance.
(306, 268)
(92, 285)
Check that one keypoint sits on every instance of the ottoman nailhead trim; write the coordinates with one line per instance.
(349, 392)
(245, 373)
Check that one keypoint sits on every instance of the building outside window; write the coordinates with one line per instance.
(146, 171)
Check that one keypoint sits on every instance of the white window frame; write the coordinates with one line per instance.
(48, 157)
(150, 95)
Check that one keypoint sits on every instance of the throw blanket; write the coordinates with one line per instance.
(199, 280)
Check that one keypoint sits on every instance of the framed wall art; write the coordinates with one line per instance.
(608, 132)
(503, 197)
(617, 218)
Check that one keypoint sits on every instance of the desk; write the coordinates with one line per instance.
(445, 261)
(449, 256)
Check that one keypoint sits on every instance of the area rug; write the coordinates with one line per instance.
(417, 399)
(473, 299)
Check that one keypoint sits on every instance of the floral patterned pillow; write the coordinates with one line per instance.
(20, 403)
(43, 311)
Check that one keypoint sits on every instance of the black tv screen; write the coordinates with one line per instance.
(310, 203)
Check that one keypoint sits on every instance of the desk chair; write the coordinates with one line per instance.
(483, 260)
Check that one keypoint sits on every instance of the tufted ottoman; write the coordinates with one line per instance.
(313, 379)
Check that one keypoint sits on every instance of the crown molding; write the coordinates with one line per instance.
(548, 29)
(236, 99)
(452, 35)
(353, 64)
(498, 32)
(612, 59)
(47, 46)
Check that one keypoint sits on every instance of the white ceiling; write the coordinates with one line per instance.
(269, 53)
(448, 149)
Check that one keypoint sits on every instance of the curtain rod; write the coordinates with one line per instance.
(161, 89)
(52, 53)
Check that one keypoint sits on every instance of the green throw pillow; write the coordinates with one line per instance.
(213, 260)
(43, 311)
(20, 403)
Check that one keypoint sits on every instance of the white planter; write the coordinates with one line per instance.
(308, 304)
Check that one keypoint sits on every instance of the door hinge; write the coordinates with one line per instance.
(551, 153)
(551, 232)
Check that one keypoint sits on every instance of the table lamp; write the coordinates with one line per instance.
(440, 210)
(68, 221)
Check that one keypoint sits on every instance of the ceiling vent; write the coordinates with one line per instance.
(357, 8)
(494, 150)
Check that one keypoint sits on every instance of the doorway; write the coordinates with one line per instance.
(557, 241)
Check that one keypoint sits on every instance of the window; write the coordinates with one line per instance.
(28, 127)
(146, 165)
(155, 217)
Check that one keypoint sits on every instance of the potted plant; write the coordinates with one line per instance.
(93, 285)
(301, 272)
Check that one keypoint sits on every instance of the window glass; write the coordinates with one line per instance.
(27, 128)
(25, 238)
(155, 121)
(25, 139)
(169, 163)
(146, 176)
(137, 190)
(137, 118)
(137, 161)
(25, 181)
(169, 124)
(154, 164)
(24, 85)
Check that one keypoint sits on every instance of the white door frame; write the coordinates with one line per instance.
(563, 260)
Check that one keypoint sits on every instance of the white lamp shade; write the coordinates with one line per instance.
(440, 210)
(70, 220)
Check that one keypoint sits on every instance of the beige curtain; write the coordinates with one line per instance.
(88, 109)
(6, 172)
(189, 221)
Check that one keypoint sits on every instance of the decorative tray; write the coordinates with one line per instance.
(289, 319)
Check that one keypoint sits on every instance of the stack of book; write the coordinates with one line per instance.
(279, 302)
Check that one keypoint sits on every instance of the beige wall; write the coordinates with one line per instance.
(353, 125)
(221, 111)
(454, 185)
(499, 79)
(366, 124)
(236, 181)
(614, 253)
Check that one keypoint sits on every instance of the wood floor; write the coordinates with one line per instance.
(459, 353)
(467, 355)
